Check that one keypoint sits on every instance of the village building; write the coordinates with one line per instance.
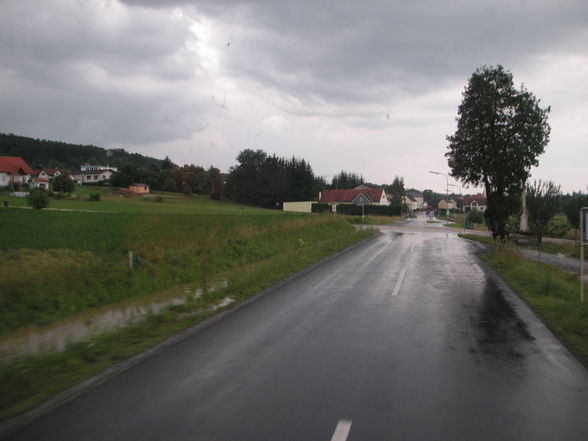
(14, 171)
(139, 188)
(477, 202)
(361, 195)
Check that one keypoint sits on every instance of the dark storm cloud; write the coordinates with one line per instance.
(96, 71)
(347, 51)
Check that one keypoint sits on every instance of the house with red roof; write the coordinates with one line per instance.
(14, 171)
(361, 195)
(477, 202)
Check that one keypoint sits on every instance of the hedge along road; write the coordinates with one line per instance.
(402, 337)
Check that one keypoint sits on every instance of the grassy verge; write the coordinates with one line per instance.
(28, 381)
(552, 292)
(56, 264)
(547, 247)
(459, 220)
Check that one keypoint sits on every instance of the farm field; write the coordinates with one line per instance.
(59, 265)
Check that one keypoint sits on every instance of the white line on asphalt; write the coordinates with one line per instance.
(342, 430)
(412, 248)
(399, 282)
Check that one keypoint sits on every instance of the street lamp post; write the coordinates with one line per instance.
(447, 191)
(460, 195)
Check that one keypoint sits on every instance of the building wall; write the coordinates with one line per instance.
(301, 207)
(138, 188)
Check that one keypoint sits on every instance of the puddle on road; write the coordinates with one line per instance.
(500, 334)
(56, 337)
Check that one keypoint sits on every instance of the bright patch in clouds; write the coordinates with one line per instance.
(370, 88)
(275, 122)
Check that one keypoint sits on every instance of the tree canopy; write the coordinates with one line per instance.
(500, 133)
(542, 204)
(64, 183)
(266, 181)
(345, 180)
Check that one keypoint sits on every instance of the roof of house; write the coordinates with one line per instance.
(92, 172)
(375, 194)
(480, 199)
(41, 180)
(139, 185)
(414, 194)
(12, 165)
(52, 171)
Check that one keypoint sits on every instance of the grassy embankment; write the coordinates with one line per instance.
(459, 220)
(567, 249)
(552, 292)
(57, 264)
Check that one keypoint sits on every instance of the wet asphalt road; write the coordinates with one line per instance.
(405, 336)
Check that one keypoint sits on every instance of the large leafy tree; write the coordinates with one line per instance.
(266, 181)
(500, 133)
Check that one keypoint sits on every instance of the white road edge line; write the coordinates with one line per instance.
(399, 282)
(413, 247)
(342, 430)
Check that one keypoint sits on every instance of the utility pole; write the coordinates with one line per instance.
(447, 192)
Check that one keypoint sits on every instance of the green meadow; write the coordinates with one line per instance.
(56, 264)
(59, 263)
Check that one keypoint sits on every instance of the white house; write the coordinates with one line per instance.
(92, 176)
(93, 168)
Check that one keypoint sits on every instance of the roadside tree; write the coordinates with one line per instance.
(500, 133)
(64, 183)
(542, 204)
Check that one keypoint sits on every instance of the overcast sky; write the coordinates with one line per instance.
(371, 86)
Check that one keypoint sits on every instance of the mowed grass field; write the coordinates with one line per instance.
(59, 263)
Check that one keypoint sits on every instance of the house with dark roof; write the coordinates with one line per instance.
(361, 195)
(14, 171)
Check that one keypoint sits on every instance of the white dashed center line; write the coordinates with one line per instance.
(399, 282)
(342, 430)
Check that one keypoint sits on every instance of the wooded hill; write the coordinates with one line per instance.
(55, 154)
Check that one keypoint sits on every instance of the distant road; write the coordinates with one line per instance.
(402, 338)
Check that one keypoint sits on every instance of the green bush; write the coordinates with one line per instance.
(475, 216)
(38, 199)
(557, 228)
(94, 196)
(320, 208)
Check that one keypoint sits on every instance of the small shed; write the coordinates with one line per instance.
(139, 188)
